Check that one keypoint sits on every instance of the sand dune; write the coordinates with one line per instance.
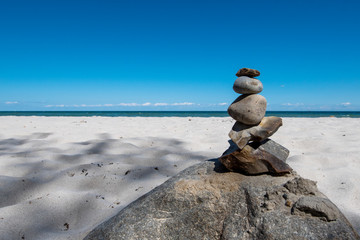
(61, 176)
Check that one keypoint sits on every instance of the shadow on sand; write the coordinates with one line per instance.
(36, 166)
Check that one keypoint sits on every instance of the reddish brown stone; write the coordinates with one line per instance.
(254, 160)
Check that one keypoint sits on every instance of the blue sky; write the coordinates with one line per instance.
(177, 55)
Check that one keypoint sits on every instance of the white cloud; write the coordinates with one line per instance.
(161, 104)
(174, 104)
(183, 104)
(15, 102)
(123, 105)
(127, 104)
(222, 104)
(59, 105)
(346, 104)
(293, 104)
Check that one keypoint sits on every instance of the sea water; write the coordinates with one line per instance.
(305, 114)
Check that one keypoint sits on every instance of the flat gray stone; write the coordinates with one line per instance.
(206, 202)
(247, 85)
(274, 149)
(317, 207)
(248, 109)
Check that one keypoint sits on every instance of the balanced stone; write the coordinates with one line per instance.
(241, 134)
(247, 85)
(248, 72)
(273, 148)
(248, 109)
(256, 159)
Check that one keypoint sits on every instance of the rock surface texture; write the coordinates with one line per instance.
(248, 109)
(207, 202)
(247, 85)
(247, 72)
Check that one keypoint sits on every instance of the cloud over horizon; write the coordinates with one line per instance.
(345, 104)
(122, 105)
(293, 104)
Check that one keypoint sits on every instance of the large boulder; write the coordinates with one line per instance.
(207, 202)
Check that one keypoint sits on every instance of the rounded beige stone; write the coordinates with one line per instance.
(248, 109)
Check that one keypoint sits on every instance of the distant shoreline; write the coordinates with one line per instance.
(296, 114)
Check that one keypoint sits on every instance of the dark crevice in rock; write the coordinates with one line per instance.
(250, 209)
(219, 168)
(222, 230)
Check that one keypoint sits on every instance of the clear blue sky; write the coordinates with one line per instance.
(177, 54)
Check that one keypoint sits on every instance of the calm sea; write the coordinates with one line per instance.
(312, 114)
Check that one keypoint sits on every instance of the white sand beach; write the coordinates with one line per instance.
(62, 176)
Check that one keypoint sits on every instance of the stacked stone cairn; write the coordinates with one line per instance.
(251, 151)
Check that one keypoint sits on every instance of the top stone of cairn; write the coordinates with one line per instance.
(248, 72)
